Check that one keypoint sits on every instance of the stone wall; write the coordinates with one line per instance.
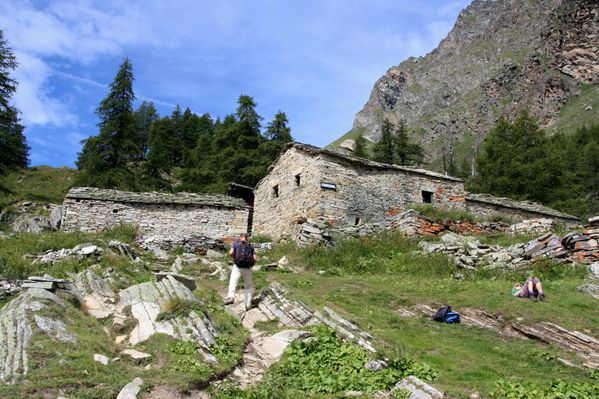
(279, 214)
(182, 214)
(487, 206)
(342, 191)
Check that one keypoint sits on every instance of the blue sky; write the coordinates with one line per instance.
(316, 60)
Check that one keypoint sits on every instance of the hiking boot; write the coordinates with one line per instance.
(229, 301)
(534, 298)
(542, 297)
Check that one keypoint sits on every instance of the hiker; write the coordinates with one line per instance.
(532, 289)
(245, 257)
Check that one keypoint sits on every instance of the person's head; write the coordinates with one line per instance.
(243, 237)
(518, 286)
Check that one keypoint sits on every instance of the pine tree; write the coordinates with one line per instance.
(406, 153)
(384, 149)
(360, 147)
(108, 159)
(145, 115)
(278, 133)
(13, 146)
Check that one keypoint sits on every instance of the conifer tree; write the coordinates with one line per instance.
(13, 146)
(360, 147)
(406, 153)
(145, 115)
(384, 149)
(107, 160)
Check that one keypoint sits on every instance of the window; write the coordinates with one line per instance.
(357, 221)
(297, 180)
(275, 191)
(427, 197)
(115, 211)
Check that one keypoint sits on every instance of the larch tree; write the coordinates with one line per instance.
(14, 151)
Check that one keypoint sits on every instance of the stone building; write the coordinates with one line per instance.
(310, 183)
(161, 214)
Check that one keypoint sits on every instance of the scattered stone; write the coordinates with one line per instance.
(122, 249)
(135, 354)
(101, 359)
(353, 394)
(418, 388)
(186, 280)
(376, 365)
(131, 390)
(274, 345)
(532, 226)
(283, 262)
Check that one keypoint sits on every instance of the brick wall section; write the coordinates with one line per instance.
(218, 217)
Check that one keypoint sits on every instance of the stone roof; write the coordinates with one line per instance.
(217, 200)
(518, 205)
(368, 163)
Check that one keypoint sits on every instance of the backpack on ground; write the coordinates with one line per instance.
(244, 255)
(440, 314)
(446, 315)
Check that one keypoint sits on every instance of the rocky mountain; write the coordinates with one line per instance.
(501, 57)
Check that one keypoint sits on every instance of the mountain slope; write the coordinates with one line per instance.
(500, 57)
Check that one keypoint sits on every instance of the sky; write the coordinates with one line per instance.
(315, 60)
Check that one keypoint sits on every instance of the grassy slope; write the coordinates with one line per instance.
(43, 184)
(575, 115)
(370, 282)
(352, 134)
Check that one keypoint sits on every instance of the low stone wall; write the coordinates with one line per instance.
(83, 212)
(488, 206)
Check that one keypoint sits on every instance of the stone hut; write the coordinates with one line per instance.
(182, 214)
(308, 183)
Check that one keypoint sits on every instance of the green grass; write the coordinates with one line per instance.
(574, 114)
(14, 262)
(352, 134)
(40, 184)
(368, 280)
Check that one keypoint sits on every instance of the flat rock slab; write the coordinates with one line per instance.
(101, 359)
(131, 390)
(98, 298)
(184, 279)
(274, 345)
(135, 354)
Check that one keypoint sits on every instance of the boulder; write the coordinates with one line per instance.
(101, 359)
(122, 249)
(136, 355)
(274, 345)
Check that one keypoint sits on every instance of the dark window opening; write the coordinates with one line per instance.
(427, 197)
(115, 211)
(297, 180)
(357, 221)
(275, 191)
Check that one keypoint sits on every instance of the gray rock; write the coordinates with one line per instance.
(131, 390)
(16, 330)
(122, 249)
(418, 388)
(210, 253)
(147, 300)
(376, 365)
(136, 355)
(55, 217)
(101, 359)
(187, 281)
(97, 296)
(595, 270)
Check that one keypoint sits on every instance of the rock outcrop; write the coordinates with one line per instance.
(19, 320)
(500, 56)
(147, 300)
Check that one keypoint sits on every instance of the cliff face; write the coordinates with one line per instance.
(500, 57)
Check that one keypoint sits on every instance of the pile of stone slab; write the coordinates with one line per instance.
(532, 226)
(586, 245)
(313, 232)
(194, 243)
(546, 246)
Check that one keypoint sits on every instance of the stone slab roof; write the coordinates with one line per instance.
(368, 163)
(217, 200)
(518, 205)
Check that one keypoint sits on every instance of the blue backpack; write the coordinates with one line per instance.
(446, 315)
